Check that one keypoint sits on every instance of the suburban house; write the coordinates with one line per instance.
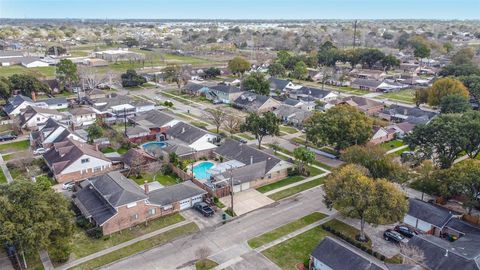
(113, 106)
(53, 103)
(223, 93)
(280, 85)
(388, 133)
(413, 115)
(191, 137)
(333, 254)
(366, 84)
(82, 116)
(252, 102)
(368, 74)
(33, 117)
(72, 160)
(52, 132)
(113, 202)
(315, 93)
(16, 104)
(232, 81)
(292, 115)
(154, 122)
(368, 106)
(119, 55)
(31, 62)
(195, 89)
(251, 167)
(427, 217)
(305, 104)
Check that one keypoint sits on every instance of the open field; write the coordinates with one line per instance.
(39, 72)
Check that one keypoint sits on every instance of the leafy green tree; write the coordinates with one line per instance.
(445, 87)
(424, 180)
(132, 79)
(440, 139)
(266, 124)
(300, 70)
(67, 72)
(34, 218)
(341, 126)
(276, 70)
(238, 65)
(448, 46)
(421, 51)
(131, 42)
(5, 88)
(454, 104)
(464, 56)
(402, 41)
(463, 179)
(172, 74)
(256, 81)
(470, 131)
(387, 36)
(350, 191)
(373, 158)
(304, 157)
(472, 82)
(370, 57)
(212, 72)
(27, 84)
(460, 70)
(94, 132)
(389, 62)
(283, 57)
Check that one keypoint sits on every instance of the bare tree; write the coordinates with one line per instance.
(217, 116)
(412, 254)
(89, 77)
(202, 253)
(16, 125)
(232, 123)
(136, 163)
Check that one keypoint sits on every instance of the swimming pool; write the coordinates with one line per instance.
(152, 147)
(200, 170)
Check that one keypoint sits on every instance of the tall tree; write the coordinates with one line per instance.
(300, 70)
(216, 116)
(472, 82)
(266, 124)
(303, 157)
(454, 104)
(94, 132)
(5, 88)
(238, 65)
(341, 126)
(464, 179)
(350, 191)
(421, 51)
(67, 72)
(389, 62)
(232, 123)
(35, 218)
(463, 56)
(132, 79)
(370, 57)
(276, 70)
(444, 87)
(172, 74)
(27, 84)
(256, 81)
(470, 131)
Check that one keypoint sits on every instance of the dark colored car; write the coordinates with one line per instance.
(204, 209)
(406, 231)
(8, 137)
(393, 236)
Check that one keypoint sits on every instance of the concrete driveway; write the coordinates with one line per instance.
(247, 201)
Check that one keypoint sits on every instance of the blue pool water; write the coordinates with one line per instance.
(200, 170)
(150, 147)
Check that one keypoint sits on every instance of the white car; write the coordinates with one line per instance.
(39, 151)
(68, 185)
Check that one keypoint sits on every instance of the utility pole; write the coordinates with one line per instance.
(125, 120)
(354, 34)
(231, 190)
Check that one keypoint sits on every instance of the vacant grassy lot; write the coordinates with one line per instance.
(296, 250)
(405, 95)
(85, 245)
(281, 183)
(14, 146)
(39, 72)
(294, 190)
(139, 246)
(284, 230)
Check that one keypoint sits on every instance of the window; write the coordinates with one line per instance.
(97, 169)
(134, 216)
(85, 160)
(152, 211)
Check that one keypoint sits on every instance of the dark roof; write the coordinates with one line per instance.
(193, 87)
(152, 119)
(339, 256)
(463, 227)
(226, 88)
(428, 212)
(186, 132)
(53, 101)
(93, 205)
(413, 115)
(117, 189)
(251, 101)
(232, 149)
(175, 193)
(246, 173)
(314, 92)
(278, 83)
(367, 83)
(291, 101)
(16, 101)
(442, 254)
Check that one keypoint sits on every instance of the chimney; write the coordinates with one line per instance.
(183, 130)
(251, 160)
(34, 97)
(405, 111)
(145, 187)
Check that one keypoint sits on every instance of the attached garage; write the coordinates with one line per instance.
(241, 187)
(186, 194)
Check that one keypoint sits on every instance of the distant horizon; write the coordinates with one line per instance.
(444, 10)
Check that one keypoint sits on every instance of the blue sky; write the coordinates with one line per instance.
(242, 9)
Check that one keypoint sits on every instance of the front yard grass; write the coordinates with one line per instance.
(165, 180)
(391, 144)
(139, 246)
(14, 146)
(3, 179)
(294, 190)
(85, 245)
(405, 95)
(245, 136)
(285, 229)
(281, 183)
(295, 250)
(205, 264)
(288, 129)
(347, 230)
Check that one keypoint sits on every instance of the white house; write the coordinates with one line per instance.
(52, 132)
(193, 137)
(53, 103)
(16, 104)
(33, 117)
(31, 62)
(82, 116)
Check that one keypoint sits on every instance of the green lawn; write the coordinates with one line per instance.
(166, 180)
(285, 229)
(405, 95)
(288, 129)
(122, 150)
(346, 230)
(391, 145)
(5, 128)
(295, 250)
(39, 72)
(245, 136)
(294, 190)
(199, 124)
(3, 179)
(205, 264)
(14, 146)
(139, 246)
(85, 245)
(281, 183)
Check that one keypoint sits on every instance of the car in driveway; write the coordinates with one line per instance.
(8, 137)
(405, 231)
(68, 185)
(39, 151)
(394, 237)
(204, 209)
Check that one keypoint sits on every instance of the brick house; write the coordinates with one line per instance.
(149, 126)
(368, 106)
(252, 102)
(72, 160)
(114, 202)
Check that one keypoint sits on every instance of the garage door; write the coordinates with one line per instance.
(245, 186)
(185, 204)
(197, 199)
(237, 188)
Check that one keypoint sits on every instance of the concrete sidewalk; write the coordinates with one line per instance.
(5, 170)
(396, 149)
(122, 245)
(306, 180)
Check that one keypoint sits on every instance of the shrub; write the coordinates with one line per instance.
(382, 257)
(95, 233)
(60, 252)
(306, 263)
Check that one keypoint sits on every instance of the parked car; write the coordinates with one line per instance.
(8, 137)
(405, 231)
(394, 237)
(204, 209)
(68, 185)
(39, 151)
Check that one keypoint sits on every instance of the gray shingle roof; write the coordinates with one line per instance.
(367, 83)
(226, 88)
(314, 92)
(245, 173)
(93, 205)
(250, 101)
(278, 83)
(185, 132)
(152, 119)
(175, 193)
(428, 212)
(53, 101)
(15, 101)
